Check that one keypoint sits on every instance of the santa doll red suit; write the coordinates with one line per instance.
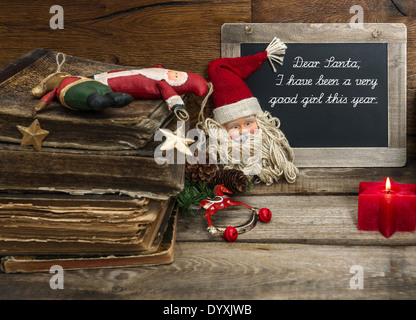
(155, 83)
(238, 117)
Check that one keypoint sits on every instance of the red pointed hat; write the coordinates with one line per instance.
(232, 97)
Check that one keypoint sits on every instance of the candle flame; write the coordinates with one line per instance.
(388, 185)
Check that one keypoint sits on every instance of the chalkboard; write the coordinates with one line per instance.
(340, 95)
(341, 87)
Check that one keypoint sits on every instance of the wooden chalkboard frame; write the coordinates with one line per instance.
(393, 34)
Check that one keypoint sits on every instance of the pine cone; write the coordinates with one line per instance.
(233, 179)
(201, 172)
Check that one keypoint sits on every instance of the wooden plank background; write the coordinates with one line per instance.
(182, 35)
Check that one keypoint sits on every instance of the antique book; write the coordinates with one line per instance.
(85, 152)
(63, 224)
(161, 252)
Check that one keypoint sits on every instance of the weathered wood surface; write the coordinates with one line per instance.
(338, 181)
(238, 271)
(319, 208)
(305, 252)
(296, 219)
(176, 34)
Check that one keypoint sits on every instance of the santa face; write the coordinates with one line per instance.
(242, 128)
(266, 154)
(176, 76)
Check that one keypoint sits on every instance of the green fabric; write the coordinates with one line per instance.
(76, 96)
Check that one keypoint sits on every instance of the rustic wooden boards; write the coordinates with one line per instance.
(238, 271)
(176, 34)
(319, 208)
(317, 219)
(336, 181)
(305, 252)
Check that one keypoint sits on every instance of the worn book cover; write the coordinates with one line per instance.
(107, 152)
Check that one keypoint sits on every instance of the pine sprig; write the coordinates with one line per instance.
(250, 186)
(191, 196)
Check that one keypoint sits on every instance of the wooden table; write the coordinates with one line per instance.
(310, 250)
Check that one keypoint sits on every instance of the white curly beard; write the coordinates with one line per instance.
(265, 156)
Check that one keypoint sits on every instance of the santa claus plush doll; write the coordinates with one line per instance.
(239, 118)
(155, 83)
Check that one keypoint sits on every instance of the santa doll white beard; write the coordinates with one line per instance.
(162, 74)
(243, 137)
(156, 74)
(275, 161)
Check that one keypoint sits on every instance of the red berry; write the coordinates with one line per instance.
(265, 215)
(230, 234)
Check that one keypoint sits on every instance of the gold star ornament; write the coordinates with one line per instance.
(33, 135)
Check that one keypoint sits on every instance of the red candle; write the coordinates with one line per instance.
(387, 206)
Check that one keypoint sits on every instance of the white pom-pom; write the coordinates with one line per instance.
(275, 51)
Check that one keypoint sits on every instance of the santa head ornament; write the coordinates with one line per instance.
(231, 96)
(239, 113)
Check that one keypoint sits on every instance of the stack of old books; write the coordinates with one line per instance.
(94, 195)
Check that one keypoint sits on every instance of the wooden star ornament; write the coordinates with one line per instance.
(176, 140)
(33, 135)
